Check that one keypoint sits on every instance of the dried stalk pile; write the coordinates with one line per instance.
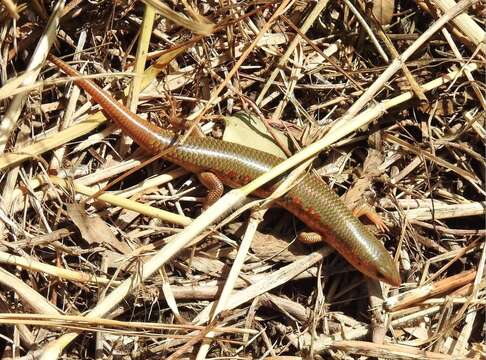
(107, 253)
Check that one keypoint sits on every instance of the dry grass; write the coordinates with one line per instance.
(392, 93)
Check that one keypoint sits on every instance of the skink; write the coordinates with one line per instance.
(311, 200)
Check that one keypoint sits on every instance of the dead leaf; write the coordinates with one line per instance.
(372, 163)
(198, 24)
(268, 246)
(418, 332)
(246, 129)
(94, 230)
(441, 107)
(383, 11)
(356, 195)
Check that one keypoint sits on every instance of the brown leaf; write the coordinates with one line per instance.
(93, 229)
(383, 10)
(441, 107)
(269, 246)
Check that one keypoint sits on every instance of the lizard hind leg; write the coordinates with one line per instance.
(214, 185)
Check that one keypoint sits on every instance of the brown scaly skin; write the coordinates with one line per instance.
(311, 200)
